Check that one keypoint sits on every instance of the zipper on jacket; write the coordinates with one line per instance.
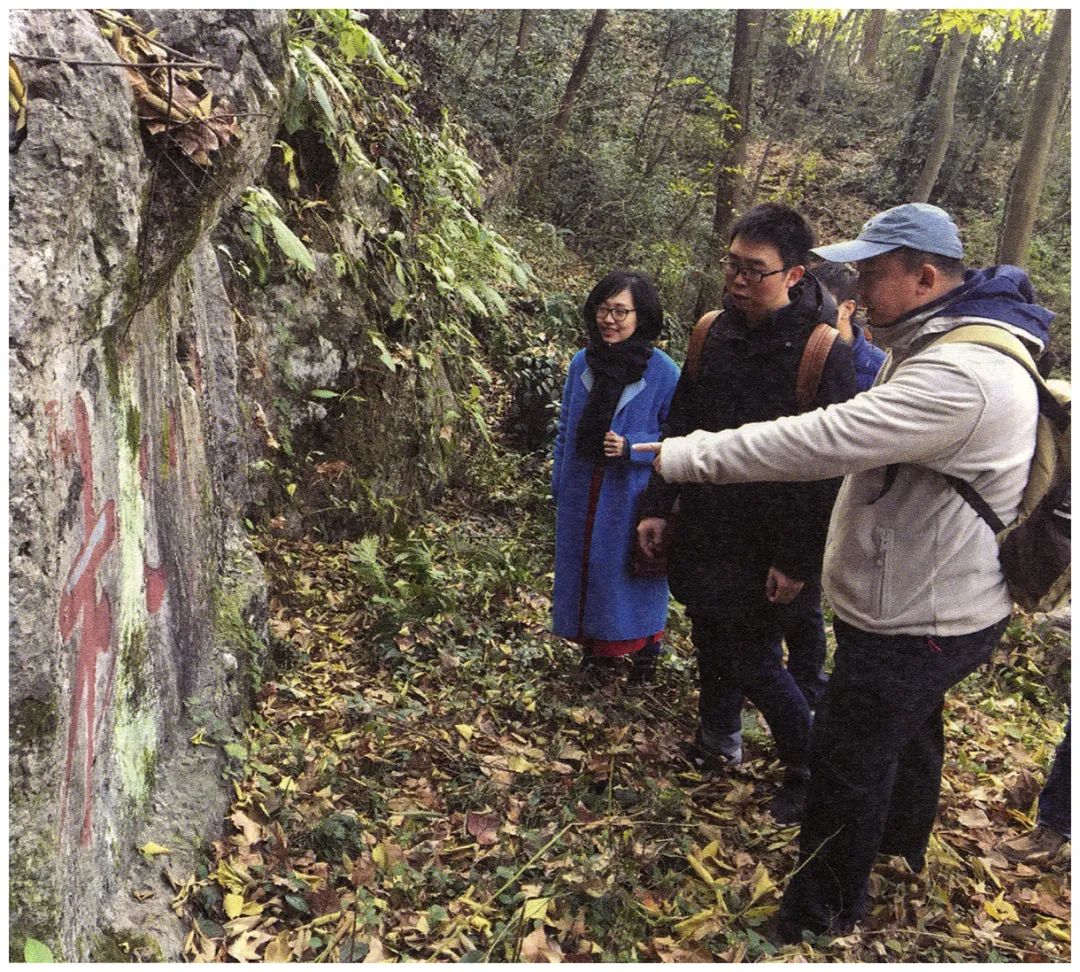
(884, 542)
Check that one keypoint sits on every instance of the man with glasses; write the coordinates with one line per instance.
(911, 566)
(741, 552)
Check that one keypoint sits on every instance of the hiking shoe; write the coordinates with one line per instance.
(708, 760)
(787, 806)
(643, 670)
(1040, 847)
(915, 860)
(597, 672)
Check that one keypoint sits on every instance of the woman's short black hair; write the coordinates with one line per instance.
(838, 279)
(650, 315)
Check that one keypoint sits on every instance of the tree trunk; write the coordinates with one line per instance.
(577, 75)
(524, 29)
(946, 79)
(1030, 172)
(926, 80)
(729, 175)
(830, 50)
(817, 59)
(871, 40)
(562, 117)
(659, 81)
(476, 55)
(498, 40)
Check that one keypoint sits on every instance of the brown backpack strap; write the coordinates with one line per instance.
(812, 364)
(697, 341)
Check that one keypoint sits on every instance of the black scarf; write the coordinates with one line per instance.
(614, 366)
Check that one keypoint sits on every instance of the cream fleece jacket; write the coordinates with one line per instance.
(918, 560)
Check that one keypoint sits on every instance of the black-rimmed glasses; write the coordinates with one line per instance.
(619, 313)
(733, 270)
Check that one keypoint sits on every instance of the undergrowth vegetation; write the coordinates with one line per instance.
(426, 777)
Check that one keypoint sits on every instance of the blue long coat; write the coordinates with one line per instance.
(617, 606)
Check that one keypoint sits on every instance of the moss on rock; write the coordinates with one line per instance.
(34, 721)
(125, 945)
(134, 428)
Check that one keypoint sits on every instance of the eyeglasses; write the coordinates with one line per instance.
(733, 270)
(619, 313)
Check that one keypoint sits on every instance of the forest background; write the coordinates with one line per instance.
(633, 138)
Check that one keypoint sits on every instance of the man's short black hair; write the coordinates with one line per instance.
(913, 259)
(778, 225)
(838, 279)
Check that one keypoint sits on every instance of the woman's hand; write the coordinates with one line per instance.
(614, 445)
(650, 535)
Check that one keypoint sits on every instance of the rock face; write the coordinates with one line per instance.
(136, 605)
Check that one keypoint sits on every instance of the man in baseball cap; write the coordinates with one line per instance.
(911, 569)
(916, 225)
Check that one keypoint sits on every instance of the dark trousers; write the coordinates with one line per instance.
(876, 754)
(739, 655)
(1055, 801)
(803, 626)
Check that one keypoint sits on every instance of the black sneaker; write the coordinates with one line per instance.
(643, 670)
(708, 760)
(787, 806)
(597, 671)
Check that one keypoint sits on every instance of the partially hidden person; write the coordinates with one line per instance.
(911, 568)
(618, 392)
(740, 552)
(841, 281)
(1048, 842)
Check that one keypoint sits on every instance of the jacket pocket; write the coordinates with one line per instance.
(883, 541)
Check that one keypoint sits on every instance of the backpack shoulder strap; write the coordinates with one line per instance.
(1059, 413)
(697, 342)
(989, 336)
(812, 364)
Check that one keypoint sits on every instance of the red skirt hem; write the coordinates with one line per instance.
(615, 649)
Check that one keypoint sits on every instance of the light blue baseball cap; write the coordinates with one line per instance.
(919, 226)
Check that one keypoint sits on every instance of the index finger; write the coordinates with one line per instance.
(653, 447)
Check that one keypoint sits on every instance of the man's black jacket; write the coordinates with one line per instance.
(727, 537)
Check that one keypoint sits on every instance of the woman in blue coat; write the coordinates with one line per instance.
(617, 393)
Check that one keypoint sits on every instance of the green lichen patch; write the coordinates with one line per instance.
(33, 899)
(166, 431)
(231, 598)
(111, 355)
(134, 428)
(134, 659)
(134, 729)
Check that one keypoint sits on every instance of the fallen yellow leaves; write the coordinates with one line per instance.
(445, 803)
(153, 850)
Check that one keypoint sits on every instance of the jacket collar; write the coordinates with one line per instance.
(628, 392)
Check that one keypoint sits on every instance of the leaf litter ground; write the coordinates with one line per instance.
(426, 776)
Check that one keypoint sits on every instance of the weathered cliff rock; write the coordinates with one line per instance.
(135, 602)
(389, 443)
